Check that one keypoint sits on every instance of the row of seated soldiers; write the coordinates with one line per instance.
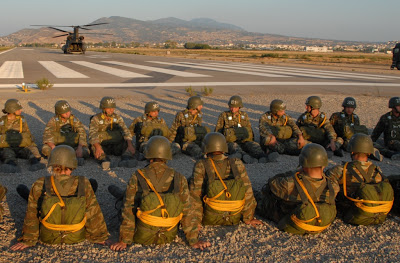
(108, 134)
(157, 198)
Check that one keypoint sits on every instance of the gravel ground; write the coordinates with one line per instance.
(341, 242)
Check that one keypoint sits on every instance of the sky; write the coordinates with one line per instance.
(354, 20)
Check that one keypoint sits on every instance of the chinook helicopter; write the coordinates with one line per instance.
(74, 42)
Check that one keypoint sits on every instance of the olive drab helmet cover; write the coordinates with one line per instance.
(151, 106)
(194, 102)
(61, 107)
(313, 155)
(235, 101)
(349, 102)
(158, 147)
(394, 101)
(314, 102)
(361, 143)
(214, 142)
(277, 105)
(12, 105)
(107, 102)
(63, 155)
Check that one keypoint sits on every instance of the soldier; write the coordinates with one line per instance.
(156, 201)
(220, 187)
(187, 129)
(65, 129)
(62, 208)
(108, 134)
(236, 127)
(3, 192)
(301, 202)
(278, 132)
(317, 129)
(16, 139)
(389, 125)
(366, 196)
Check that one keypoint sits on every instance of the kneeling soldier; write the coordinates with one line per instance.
(366, 196)
(301, 202)
(62, 208)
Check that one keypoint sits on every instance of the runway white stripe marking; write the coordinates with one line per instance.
(11, 70)
(109, 70)
(161, 70)
(60, 71)
(224, 70)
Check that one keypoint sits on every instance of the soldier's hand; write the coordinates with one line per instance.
(118, 246)
(131, 149)
(99, 151)
(201, 245)
(79, 151)
(19, 246)
(301, 142)
(332, 145)
(254, 222)
(272, 141)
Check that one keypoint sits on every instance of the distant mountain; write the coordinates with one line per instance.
(199, 23)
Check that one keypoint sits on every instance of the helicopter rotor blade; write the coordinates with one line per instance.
(58, 29)
(84, 28)
(97, 24)
(61, 35)
(95, 34)
(51, 26)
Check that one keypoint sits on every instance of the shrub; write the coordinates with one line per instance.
(207, 91)
(44, 84)
(191, 92)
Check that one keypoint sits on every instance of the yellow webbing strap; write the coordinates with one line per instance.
(71, 121)
(303, 223)
(383, 206)
(224, 205)
(104, 117)
(323, 122)
(66, 228)
(164, 220)
(286, 119)
(195, 117)
(239, 118)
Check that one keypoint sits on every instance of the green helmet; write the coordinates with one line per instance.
(194, 102)
(393, 102)
(349, 102)
(235, 101)
(214, 142)
(158, 147)
(63, 155)
(61, 107)
(277, 105)
(314, 102)
(313, 155)
(107, 102)
(151, 106)
(12, 105)
(361, 143)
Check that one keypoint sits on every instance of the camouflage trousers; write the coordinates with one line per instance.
(288, 146)
(119, 149)
(192, 149)
(3, 192)
(392, 148)
(46, 150)
(252, 148)
(11, 154)
(338, 142)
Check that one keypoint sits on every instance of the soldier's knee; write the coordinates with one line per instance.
(46, 150)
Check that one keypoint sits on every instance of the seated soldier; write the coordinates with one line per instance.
(317, 129)
(278, 132)
(187, 129)
(3, 192)
(65, 129)
(62, 208)
(366, 196)
(148, 125)
(16, 140)
(236, 127)
(301, 202)
(155, 202)
(389, 125)
(108, 134)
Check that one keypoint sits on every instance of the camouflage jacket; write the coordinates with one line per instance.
(319, 121)
(336, 173)
(100, 122)
(18, 124)
(390, 126)
(95, 227)
(228, 120)
(3, 192)
(267, 120)
(198, 188)
(339, 119)
(184, 119)
(133, 196)
(54, 125)
(140, 122)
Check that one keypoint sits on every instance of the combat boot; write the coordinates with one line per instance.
(249, 160)
(35, 164)
(94, 184)
(127, 161)
(81, 161)
(273, 157)
(175, 148)
(376, 155)
(396, 156)
(116, 191)
(23, 191)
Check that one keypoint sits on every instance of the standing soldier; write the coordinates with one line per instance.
(62, 208)
(65, 129)
(301, 202)
(317, 129)
(389, 125)
(278, 132)
(187, 129)
(108, 134)
(236, 127)
(3, 192)
(366, 196)
(16, 139)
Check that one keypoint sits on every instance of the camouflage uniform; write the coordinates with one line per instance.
(3, 192)
(198, 186)
(268, 121)
(100, 123)
(11, 153)
(54, 126)
(341, 121)
(389, 124)
(228, 120)
(133, 198)
(95, 227)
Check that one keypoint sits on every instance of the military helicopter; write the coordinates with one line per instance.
(74, 42)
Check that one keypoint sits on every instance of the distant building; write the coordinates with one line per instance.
(318, 49)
